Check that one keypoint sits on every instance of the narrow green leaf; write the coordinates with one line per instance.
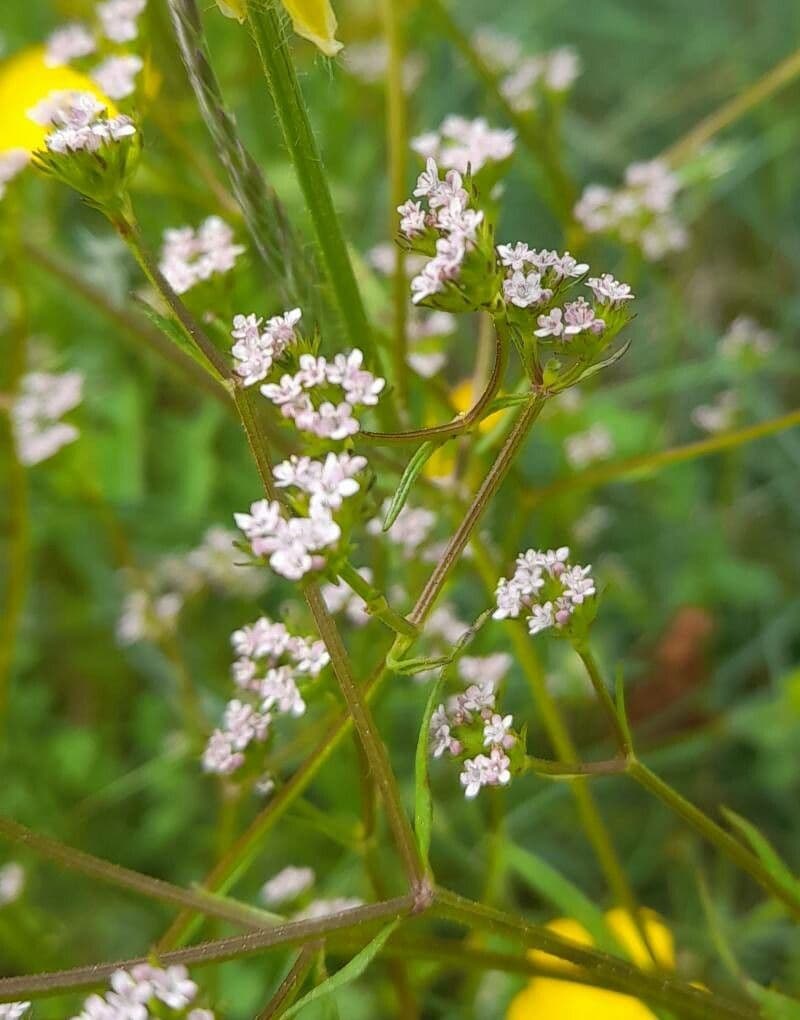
(413, 468)
(350, 972)
(774, 1005)
(600, 365)
(764, 851)
(172, 331)
(566, 897)
(423, 802)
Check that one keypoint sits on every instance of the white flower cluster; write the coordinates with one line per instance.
(257, 348)
(12, 882)
(13, 1010)
(640, 212)
(79, 121)
(410, 529)
(718, 416)
(69, 42)
(449, 214)
(319, 376)
(746, 336)
(584, 448)
(473, 714)
(295, 544)
(287, 885)
(43, 398)
(151, 608)
(544, 575)
(12, 162)
(424, 358)
(532, 276)
(119, 19)
(523, 77)
(189, 256)
(270, 663)
(369, 61)
(463, 145)
(555, 71)
(145, 991)
(116, 75)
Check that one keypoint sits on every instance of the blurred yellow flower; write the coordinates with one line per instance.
(462, 397)
(315, 20)
(233, 8)
(24, 80)
(551, 999)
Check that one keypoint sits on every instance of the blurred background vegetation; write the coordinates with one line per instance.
(700, 561)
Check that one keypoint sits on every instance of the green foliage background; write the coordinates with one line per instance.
(92, 750)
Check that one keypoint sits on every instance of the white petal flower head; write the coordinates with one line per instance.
(116, 76)
(485, 669)
(568, 267)
(497, 731)
(428, 182)
(287, 885)
(412, 219)
(508, 598)
(69, 42)
(262, 521)
(608, 290)
(551, 324)
(118, 18)
(12, 882)
(515, 256)
(475, 775)
(578, 584)
(542, 617)
(173, 986)
(16, 1010)
(523, 291)
(579, 317)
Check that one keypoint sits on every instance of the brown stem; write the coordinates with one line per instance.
(292, 983)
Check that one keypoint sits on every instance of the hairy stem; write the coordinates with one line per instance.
(269, 34)
(289, 988)
(397, 145)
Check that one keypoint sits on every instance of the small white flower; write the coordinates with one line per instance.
(116, 76)
(497, 731)
(578, 584)
(69, 42)
(15, 1010)
(579, 317)
(515, 256)
(566, 267)
(287, 885)
(508, 597)
(486, 669)
(428, 181)
(523, 291)
(542, 617)
(607, 289)
(173, 986)
(12, 882)
(412, 218)
(474, 775)
(585, 448)
(719, 416)
(551, 324)
(118, 18)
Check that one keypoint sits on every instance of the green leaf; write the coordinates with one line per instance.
(350, 972)
(566, 897)
(764, 851)
(600, 365)
(423, 802)
(774, 1005)
(172, 331)
(413, 468)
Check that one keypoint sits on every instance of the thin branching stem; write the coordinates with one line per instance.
(289, 988)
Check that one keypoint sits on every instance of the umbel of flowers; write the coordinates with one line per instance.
(270, 671)
(145, 991)
(560, 335)
(89, 148)
(321, 397)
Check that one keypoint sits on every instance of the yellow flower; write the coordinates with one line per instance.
(551, 999)
(315, 20)
(233, 9)
(462, 398)
(24, 80)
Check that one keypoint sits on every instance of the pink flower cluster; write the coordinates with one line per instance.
(190, 256)
(79, 122)
(546, 587)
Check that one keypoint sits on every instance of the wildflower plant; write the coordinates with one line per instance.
(357, 484)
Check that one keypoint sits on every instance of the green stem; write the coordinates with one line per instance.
(715, 834)
(476, 509)
(605, 699)
(556, 728)
(575, 769)
(659, 989)
(375, 600)
(156, 889)
(263, 212)
(128, 230)
(289, 988)
(397, 144)
(464, 422)
(646, 463)
(234, 947)
(269, 35)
